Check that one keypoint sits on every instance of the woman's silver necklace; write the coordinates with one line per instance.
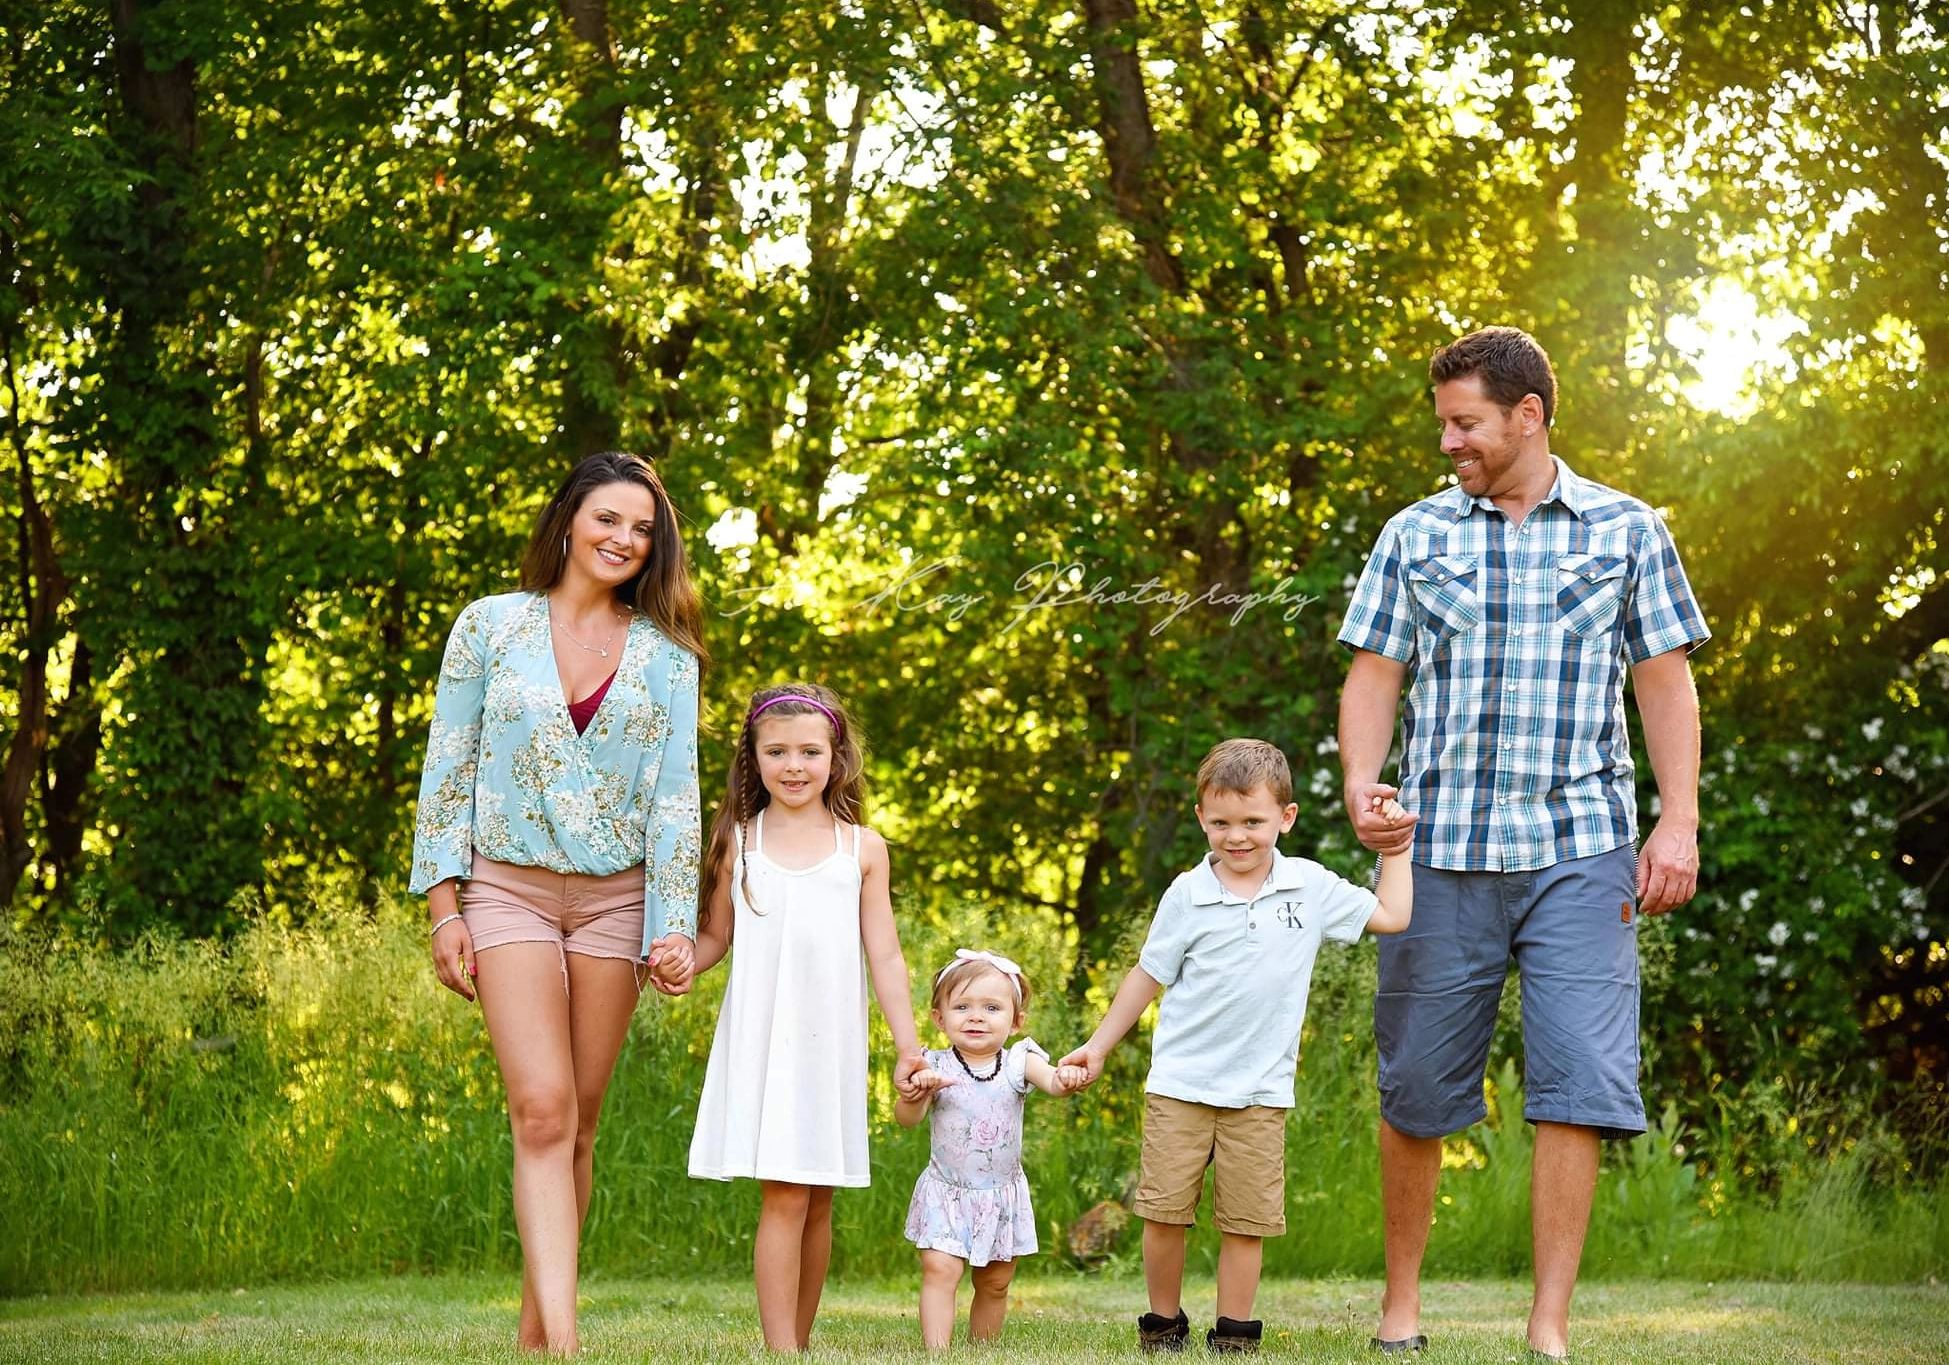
(602, 649)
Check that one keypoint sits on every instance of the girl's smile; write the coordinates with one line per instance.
(794, 758)
(980, 1016)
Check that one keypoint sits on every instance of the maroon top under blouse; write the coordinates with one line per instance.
(584, 711)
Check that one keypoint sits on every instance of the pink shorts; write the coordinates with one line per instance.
(594, 916)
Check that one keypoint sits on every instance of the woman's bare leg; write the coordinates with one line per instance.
(527, 1015)
(602, 997)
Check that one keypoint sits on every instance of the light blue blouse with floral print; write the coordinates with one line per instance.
(508, 777)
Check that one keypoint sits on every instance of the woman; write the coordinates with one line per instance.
(558, 831)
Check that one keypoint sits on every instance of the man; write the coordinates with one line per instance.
(1509, 607)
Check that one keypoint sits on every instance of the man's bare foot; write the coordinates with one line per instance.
(1550, 1340)
(1400, 1316)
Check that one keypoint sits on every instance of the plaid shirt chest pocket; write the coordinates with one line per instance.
(1446, 595)
(1590, 592)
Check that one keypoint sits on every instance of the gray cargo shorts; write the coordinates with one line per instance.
(1573, 931)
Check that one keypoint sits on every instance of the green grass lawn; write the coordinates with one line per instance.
(1058, 1317)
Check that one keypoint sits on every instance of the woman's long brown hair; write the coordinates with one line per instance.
(663, 590)
(845, 793)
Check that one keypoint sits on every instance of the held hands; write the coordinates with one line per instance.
(1079, 1069)
(927, 1080)
(453, 958)
(910, 1065)
(672, 961)
(1379, 821)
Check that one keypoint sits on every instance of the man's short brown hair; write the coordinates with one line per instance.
(1239, 765)
(1508, 362)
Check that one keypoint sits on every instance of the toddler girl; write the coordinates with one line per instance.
(971, 1204)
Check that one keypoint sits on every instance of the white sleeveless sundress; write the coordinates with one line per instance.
(785, 1091)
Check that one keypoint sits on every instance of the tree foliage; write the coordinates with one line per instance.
(997, 355)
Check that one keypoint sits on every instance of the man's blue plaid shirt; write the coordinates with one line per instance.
(1516, 643)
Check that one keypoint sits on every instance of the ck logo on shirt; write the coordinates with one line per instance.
(1288, 913)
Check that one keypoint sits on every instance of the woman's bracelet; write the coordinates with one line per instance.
(440, 924)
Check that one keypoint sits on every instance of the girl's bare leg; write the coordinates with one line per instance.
(815, 1254)
(776, 1254)
(940, 1276)
(990, 1299)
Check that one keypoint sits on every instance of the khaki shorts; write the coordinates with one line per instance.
(1246, 1149)
(594, 916)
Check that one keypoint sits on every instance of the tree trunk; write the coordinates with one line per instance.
(594, 367)
(43, 590)
(177, 593)
(69, 762)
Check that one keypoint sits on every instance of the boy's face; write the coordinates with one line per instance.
(1243, 828)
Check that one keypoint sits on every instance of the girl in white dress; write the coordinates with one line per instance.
(800, 887)
(971, 1204)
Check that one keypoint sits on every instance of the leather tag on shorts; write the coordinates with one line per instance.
(1624, 912)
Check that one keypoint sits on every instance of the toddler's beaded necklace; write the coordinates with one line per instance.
(974, 1075)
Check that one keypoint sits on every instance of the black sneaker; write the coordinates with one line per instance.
(1232, 1335)
(1156, 1333)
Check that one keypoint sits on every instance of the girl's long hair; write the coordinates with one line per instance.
(845, 793)
(663, 590)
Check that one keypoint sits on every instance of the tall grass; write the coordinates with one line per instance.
(306, 1102)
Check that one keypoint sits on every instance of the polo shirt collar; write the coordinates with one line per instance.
(1568, 489)
(1206, 889)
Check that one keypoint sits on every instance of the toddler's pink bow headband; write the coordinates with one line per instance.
(963, 956)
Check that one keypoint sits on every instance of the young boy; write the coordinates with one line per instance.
(1232, 945)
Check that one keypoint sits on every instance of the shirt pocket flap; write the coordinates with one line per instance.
(1442, 569)
(1593, 568)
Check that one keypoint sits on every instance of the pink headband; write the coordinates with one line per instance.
(818, 706)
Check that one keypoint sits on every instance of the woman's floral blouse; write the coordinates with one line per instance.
(508, 777)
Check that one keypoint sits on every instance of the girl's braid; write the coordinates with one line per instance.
(747, 808)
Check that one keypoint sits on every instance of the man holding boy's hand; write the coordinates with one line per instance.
(1509, 608)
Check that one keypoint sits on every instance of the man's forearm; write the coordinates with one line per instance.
(1668, 704)
(1367, 707)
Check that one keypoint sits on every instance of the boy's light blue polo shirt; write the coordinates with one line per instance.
(1235, 975)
